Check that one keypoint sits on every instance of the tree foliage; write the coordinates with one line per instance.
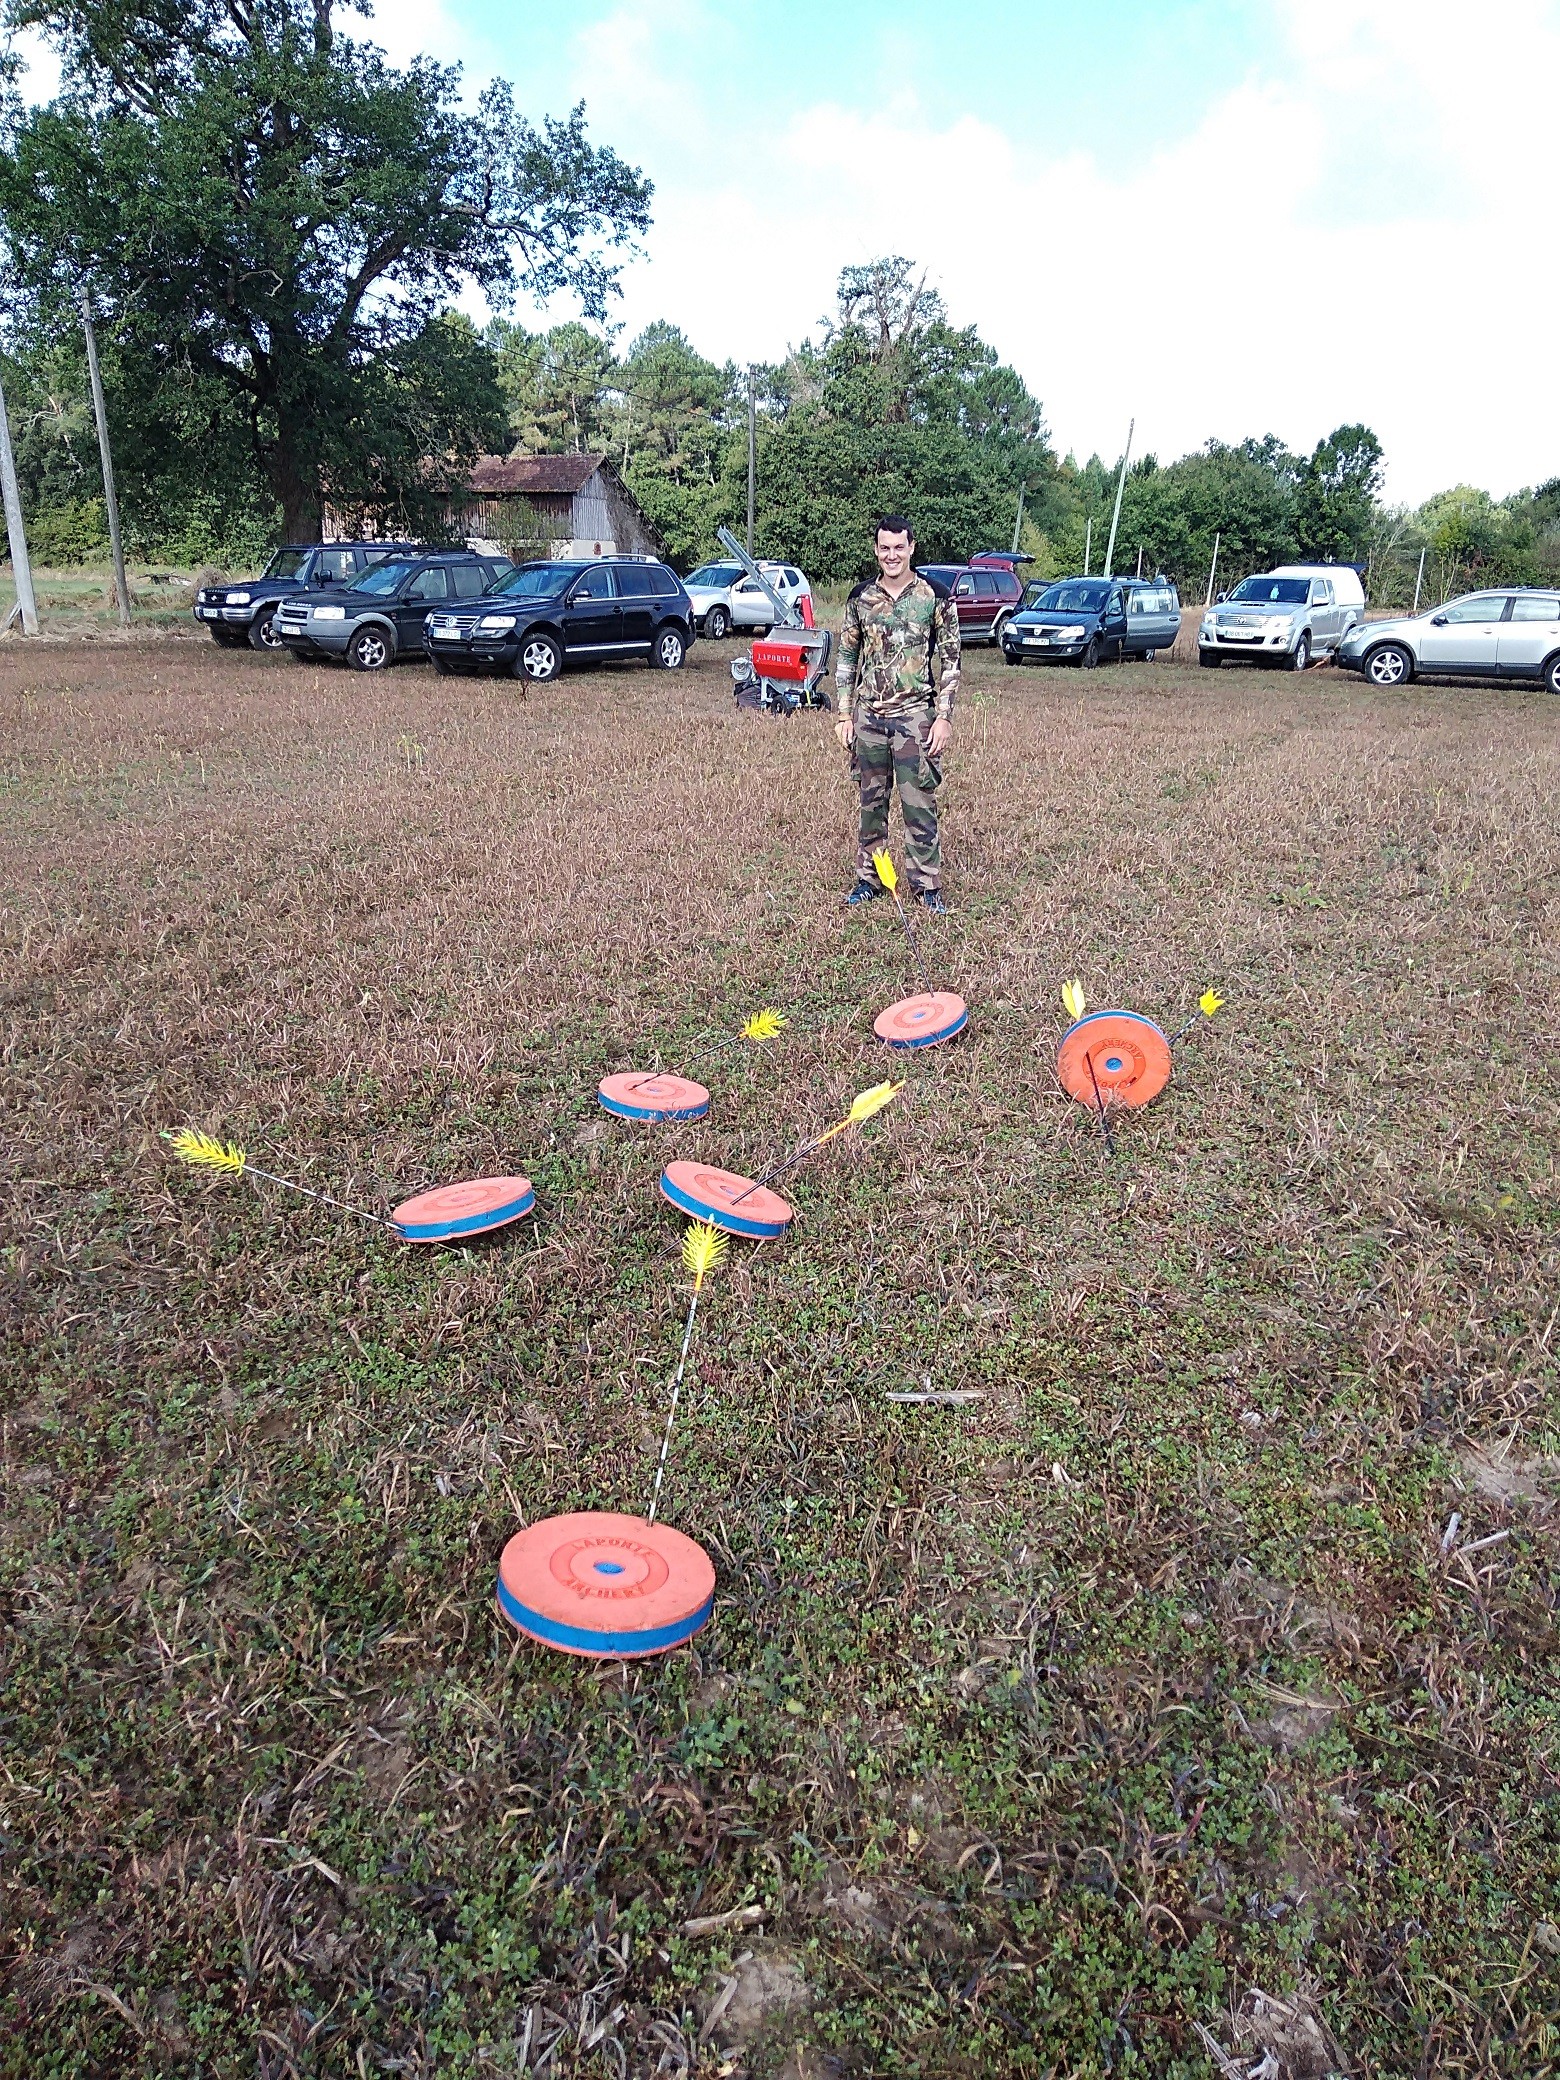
(263, 202)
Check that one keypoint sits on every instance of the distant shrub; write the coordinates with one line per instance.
(62, 536)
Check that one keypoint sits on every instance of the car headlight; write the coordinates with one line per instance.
(238, 599)
(329, 613)
(1070, 635)
(497, 622)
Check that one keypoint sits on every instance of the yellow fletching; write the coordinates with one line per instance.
(871, 1101)
(763, 1025)
(1209, 1002)
(887, 872)
(1074, 1002)
(703, 1248)
(196, 1147)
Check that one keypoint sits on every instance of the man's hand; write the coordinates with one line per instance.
(845, 729)
(940, 738)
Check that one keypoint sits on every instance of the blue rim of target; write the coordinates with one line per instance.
(650, 1112)
(735, 1223)
(582, 1638)
(1136, 1017)
(474, 1224)
(932, 1039)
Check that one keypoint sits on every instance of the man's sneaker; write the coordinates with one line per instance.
(931, 899)
(863, 892)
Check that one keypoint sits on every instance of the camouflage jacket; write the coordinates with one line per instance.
(898, 656)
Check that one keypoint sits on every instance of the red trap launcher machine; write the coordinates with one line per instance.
(789, 668)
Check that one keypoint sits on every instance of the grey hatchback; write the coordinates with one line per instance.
(1508, 632)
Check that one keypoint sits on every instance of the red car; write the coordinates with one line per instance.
(985, 594)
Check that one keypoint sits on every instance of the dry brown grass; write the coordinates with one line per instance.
(1044, 1729)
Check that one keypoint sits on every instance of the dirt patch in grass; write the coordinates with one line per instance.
(1040, 1725)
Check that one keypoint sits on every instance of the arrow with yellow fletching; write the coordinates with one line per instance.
(863, 1107)
(1074, 1002)
(888, 874)
(1207, 1004)
(190, 1145)
(703, 1248)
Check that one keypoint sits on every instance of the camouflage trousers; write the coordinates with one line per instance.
(893, 754)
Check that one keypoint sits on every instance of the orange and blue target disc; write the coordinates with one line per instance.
(451, 1211)
(605, 1585)
(922, 1021)
(1128, 1054)
(636, 1096)
(730, 1202)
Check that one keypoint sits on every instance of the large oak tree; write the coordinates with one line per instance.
(258, 199)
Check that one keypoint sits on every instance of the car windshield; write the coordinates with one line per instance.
(1069, 598)
(537, 580)
(717, 576)
(381, 578)
(287, 563)
(1274, 592)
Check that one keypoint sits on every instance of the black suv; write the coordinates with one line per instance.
(246, 612)
(543, 614)
(378, 615)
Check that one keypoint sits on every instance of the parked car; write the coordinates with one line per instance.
(1510, 632)
(1088, 621)
(378, 616)
(544, 615)
(1290, 616)
(723, 597)
(246, 612)
(983, 598)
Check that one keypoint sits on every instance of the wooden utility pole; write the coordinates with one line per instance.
(21, 569)
(752, 458)
(1115, 518)
(1088, 542)
(1208, 602)
(110, 496)
(1420, 579)
(1018, 524)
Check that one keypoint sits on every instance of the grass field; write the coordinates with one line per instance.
(1188, 1695)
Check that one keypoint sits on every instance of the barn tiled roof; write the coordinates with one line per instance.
(534, 475)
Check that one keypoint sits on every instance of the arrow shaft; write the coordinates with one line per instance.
(915, 951)
(324, 1198)
(671, 1413)
(1110, 1146)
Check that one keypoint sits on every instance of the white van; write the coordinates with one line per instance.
(1290, 615)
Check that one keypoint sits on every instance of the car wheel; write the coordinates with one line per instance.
(539, 659)
(669, 650)
(263, 632)
(1552, 674)
(227, 638)
(1210, 660)
(717, 624)
(997, 627)
(443, 667)
(1091, 654)
(1300, 656)
(369, 651)
(1391, 665)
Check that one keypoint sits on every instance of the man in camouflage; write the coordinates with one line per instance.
(897, 675)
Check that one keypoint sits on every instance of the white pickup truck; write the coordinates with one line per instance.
(1289, 616)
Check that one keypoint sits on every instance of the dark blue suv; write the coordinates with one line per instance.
(246, 612)
(543, 615)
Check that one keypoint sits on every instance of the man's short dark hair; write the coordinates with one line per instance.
(893, 523)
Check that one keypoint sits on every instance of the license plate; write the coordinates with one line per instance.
(1039, 641)
(446, 635)
(208, 613)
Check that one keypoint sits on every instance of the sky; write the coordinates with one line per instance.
(1213, 217)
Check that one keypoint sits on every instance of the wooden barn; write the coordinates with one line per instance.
(553, 505)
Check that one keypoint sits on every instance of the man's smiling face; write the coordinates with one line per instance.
(893, 554)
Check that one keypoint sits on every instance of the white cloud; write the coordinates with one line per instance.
(1354, 232)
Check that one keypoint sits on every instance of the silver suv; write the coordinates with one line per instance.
(1289, 616)
(1511, 632)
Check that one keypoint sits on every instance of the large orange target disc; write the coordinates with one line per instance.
(637, 1096)
(937, 1014)
(600, 1584)
(1129, 1056)
(471, 1208)
(730, 1202)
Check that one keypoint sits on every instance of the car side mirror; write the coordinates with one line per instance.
(1219, 598)
(1438, 621)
